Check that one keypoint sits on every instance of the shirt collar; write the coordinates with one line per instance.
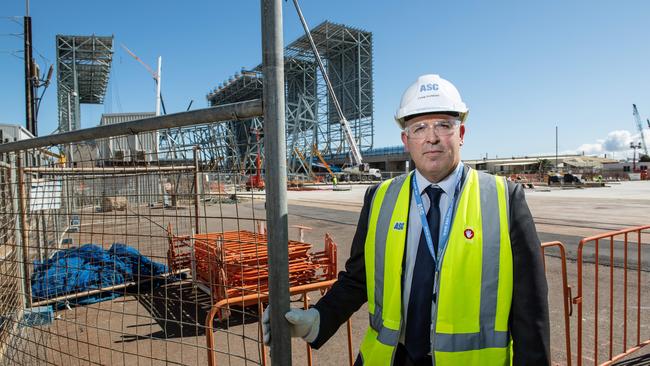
(447, 184)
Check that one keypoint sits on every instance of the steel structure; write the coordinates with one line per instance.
(311, 118)
(83, 69)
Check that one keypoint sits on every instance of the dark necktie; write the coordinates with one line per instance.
(418, 317)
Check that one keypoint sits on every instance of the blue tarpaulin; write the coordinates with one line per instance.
(90, 267)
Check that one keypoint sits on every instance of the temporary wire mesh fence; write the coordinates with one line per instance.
(114, 252)
(121, 251)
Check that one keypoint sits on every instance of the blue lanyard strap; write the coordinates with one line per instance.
(446, 225)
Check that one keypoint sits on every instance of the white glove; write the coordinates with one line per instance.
(303, 323)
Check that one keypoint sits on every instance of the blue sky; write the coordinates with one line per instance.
(522, 67)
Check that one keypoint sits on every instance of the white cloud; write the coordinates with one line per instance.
(618, 141)
(615, 142)
(590, 149)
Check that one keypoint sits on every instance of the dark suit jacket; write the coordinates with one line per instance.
(529, 323)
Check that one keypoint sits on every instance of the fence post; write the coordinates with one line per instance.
(276, 178)
(197, 222)
(24, 230)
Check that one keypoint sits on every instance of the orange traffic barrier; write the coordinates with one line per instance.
(566, 294)
(259, 300)
(626, 235)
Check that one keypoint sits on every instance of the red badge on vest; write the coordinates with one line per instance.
(469, 233)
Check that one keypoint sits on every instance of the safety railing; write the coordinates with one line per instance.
(627, 239)
(223, 307)
(566, 294)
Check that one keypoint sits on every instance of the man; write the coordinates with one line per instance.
(448, 258)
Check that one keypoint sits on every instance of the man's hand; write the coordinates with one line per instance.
(303, 323)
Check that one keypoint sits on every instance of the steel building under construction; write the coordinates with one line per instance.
(311, 119)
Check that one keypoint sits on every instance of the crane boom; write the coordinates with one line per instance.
(639, 126)
(153, 73)
(320, 157)
(357, 160)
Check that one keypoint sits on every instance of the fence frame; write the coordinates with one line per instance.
(578, 300)
(566, 293)
(259, 299)
(17, 159)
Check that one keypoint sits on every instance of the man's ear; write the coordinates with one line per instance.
(405, 141)
(461, 133)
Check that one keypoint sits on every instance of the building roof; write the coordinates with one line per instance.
(573, 160)
(517, 163)
(112, 118)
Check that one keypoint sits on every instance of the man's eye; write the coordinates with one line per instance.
(445, 125)
(419, 129)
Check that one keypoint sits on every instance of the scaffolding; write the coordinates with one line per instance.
(311, 119)
(83, 69)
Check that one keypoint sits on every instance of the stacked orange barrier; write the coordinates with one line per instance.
(235, 263)
(179, 254)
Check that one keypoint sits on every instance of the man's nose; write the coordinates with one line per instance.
(431, 136)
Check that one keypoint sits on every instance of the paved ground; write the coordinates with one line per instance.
(165, 326)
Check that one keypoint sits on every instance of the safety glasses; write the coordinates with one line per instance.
(441, 128)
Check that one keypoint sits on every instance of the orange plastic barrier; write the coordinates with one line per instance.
(626, 235)
(259, 300)
(566, 294)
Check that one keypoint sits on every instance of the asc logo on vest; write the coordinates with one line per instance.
(398, 226)
(428, 87)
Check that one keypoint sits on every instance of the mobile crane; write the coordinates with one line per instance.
(358, 168)
(639, 126)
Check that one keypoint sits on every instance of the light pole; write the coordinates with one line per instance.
(634, 147)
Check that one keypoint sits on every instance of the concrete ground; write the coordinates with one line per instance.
(164, 326)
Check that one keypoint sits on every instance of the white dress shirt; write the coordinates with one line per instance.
(415, 229)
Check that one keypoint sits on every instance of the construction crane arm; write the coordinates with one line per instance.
(639, 126)
(153, 73)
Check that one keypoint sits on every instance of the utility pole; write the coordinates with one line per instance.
(556, 164)
(29, 88)
(157, 77)
(634, 147)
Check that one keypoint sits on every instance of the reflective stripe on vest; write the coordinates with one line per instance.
(390, 222)
(475, 289)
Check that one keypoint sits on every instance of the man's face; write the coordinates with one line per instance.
(434, 156)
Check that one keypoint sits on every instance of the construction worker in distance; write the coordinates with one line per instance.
(447, 257)
(335, 181)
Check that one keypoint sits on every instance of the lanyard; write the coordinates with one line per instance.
(446, 225)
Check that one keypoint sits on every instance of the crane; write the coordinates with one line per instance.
(156, 78)
(639, 126)
(355, 153)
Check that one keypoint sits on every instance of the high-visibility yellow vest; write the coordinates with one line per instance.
(474, 289)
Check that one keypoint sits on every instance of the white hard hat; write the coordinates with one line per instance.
(430, 94)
